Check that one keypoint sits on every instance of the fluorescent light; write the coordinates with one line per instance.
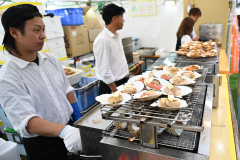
(170, 2)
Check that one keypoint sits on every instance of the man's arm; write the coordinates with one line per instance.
(113, 87)
(71, 98)
(43, 127)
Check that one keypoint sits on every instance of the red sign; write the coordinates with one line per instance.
(235, 51)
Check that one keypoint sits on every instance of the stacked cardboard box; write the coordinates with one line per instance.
(55, 41)
(79, 39)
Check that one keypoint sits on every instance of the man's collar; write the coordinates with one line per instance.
(22, 63)
(110, 33)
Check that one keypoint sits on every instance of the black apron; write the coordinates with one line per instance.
(178, 44)
(46, 148)
(104, 88)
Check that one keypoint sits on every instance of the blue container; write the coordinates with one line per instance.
(5, 119)
(86, 92)
(71, 16)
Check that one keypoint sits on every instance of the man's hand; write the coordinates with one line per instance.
(113, 87)
(71, 138)
(196, 38)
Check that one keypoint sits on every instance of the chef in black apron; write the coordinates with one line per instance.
(184, 33)
(111, 64)
(34, 90)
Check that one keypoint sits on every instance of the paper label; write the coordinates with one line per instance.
(74, 33)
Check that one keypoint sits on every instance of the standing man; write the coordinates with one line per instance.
(111, 63)
(34, 90)
(195, 13)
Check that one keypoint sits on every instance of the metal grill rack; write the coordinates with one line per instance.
(182, 59)
(187, 140)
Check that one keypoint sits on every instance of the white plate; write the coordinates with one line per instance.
(200, 67)
(183, 105)
(190, 81)
(197, 75)
(146, 74)
(162, 82)
(137, 96)
(132, 79)
(184, 90)
(138, 85)
(103, 99)
(155, 67)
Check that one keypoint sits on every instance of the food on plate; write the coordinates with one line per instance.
(141, 79)
(167, 75)
(209, 54)
(188, 74)
(179, 80)
(151, 73)
(172, 90)
(129, 89)
(148, 93)
(209, 43)
(154, 84)
(115, 99)
(169, 102)
(160, 67)
(119, 124)
(193, 68)
(68, 71)
(173, 70)
(134, 129)
(195, 53)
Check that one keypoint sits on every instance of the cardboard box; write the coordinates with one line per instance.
(76, 40)
(90, 18)
(93, 34)
(91, 46)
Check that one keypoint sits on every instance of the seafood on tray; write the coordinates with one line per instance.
(159, 67)
(119, 124)
(129, 89)
(209, 54)
(179, 80)
(195, 53)
(172, 90)
(172, 70)
(148, 93)
(167, 75)
(134, 129)
(115, 98)
(192, 68)
(151, 74)
(190, 74)
(169, 102)
(153, 84)
(181, 52)
(68, 71)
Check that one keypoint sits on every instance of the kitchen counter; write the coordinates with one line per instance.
(222, 145)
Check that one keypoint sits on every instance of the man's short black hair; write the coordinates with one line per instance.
(111, 10)
(9, 44)
(195, 12)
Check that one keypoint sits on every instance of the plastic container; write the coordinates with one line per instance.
(71, 16)
(145, 51)
(76, 77)
(8, 150)
(16, 137)
(5, 119)
(135, 57)
(86, 92)
(135, 44)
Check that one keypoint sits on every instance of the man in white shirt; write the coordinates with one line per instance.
(195, 13)
(111, 63)
(34, 90)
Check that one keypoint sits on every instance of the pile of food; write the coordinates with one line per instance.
(172, 90)
(179, 80)
(169, 102)
(192, 68)
(68, 71)
(148, 93)
(195, 49)
(154, 84)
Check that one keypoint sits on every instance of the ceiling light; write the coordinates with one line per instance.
(170, 2)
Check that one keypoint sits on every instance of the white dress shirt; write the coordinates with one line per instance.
(28, 90)
(185, 38)
(193, 33)
(110, 60)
